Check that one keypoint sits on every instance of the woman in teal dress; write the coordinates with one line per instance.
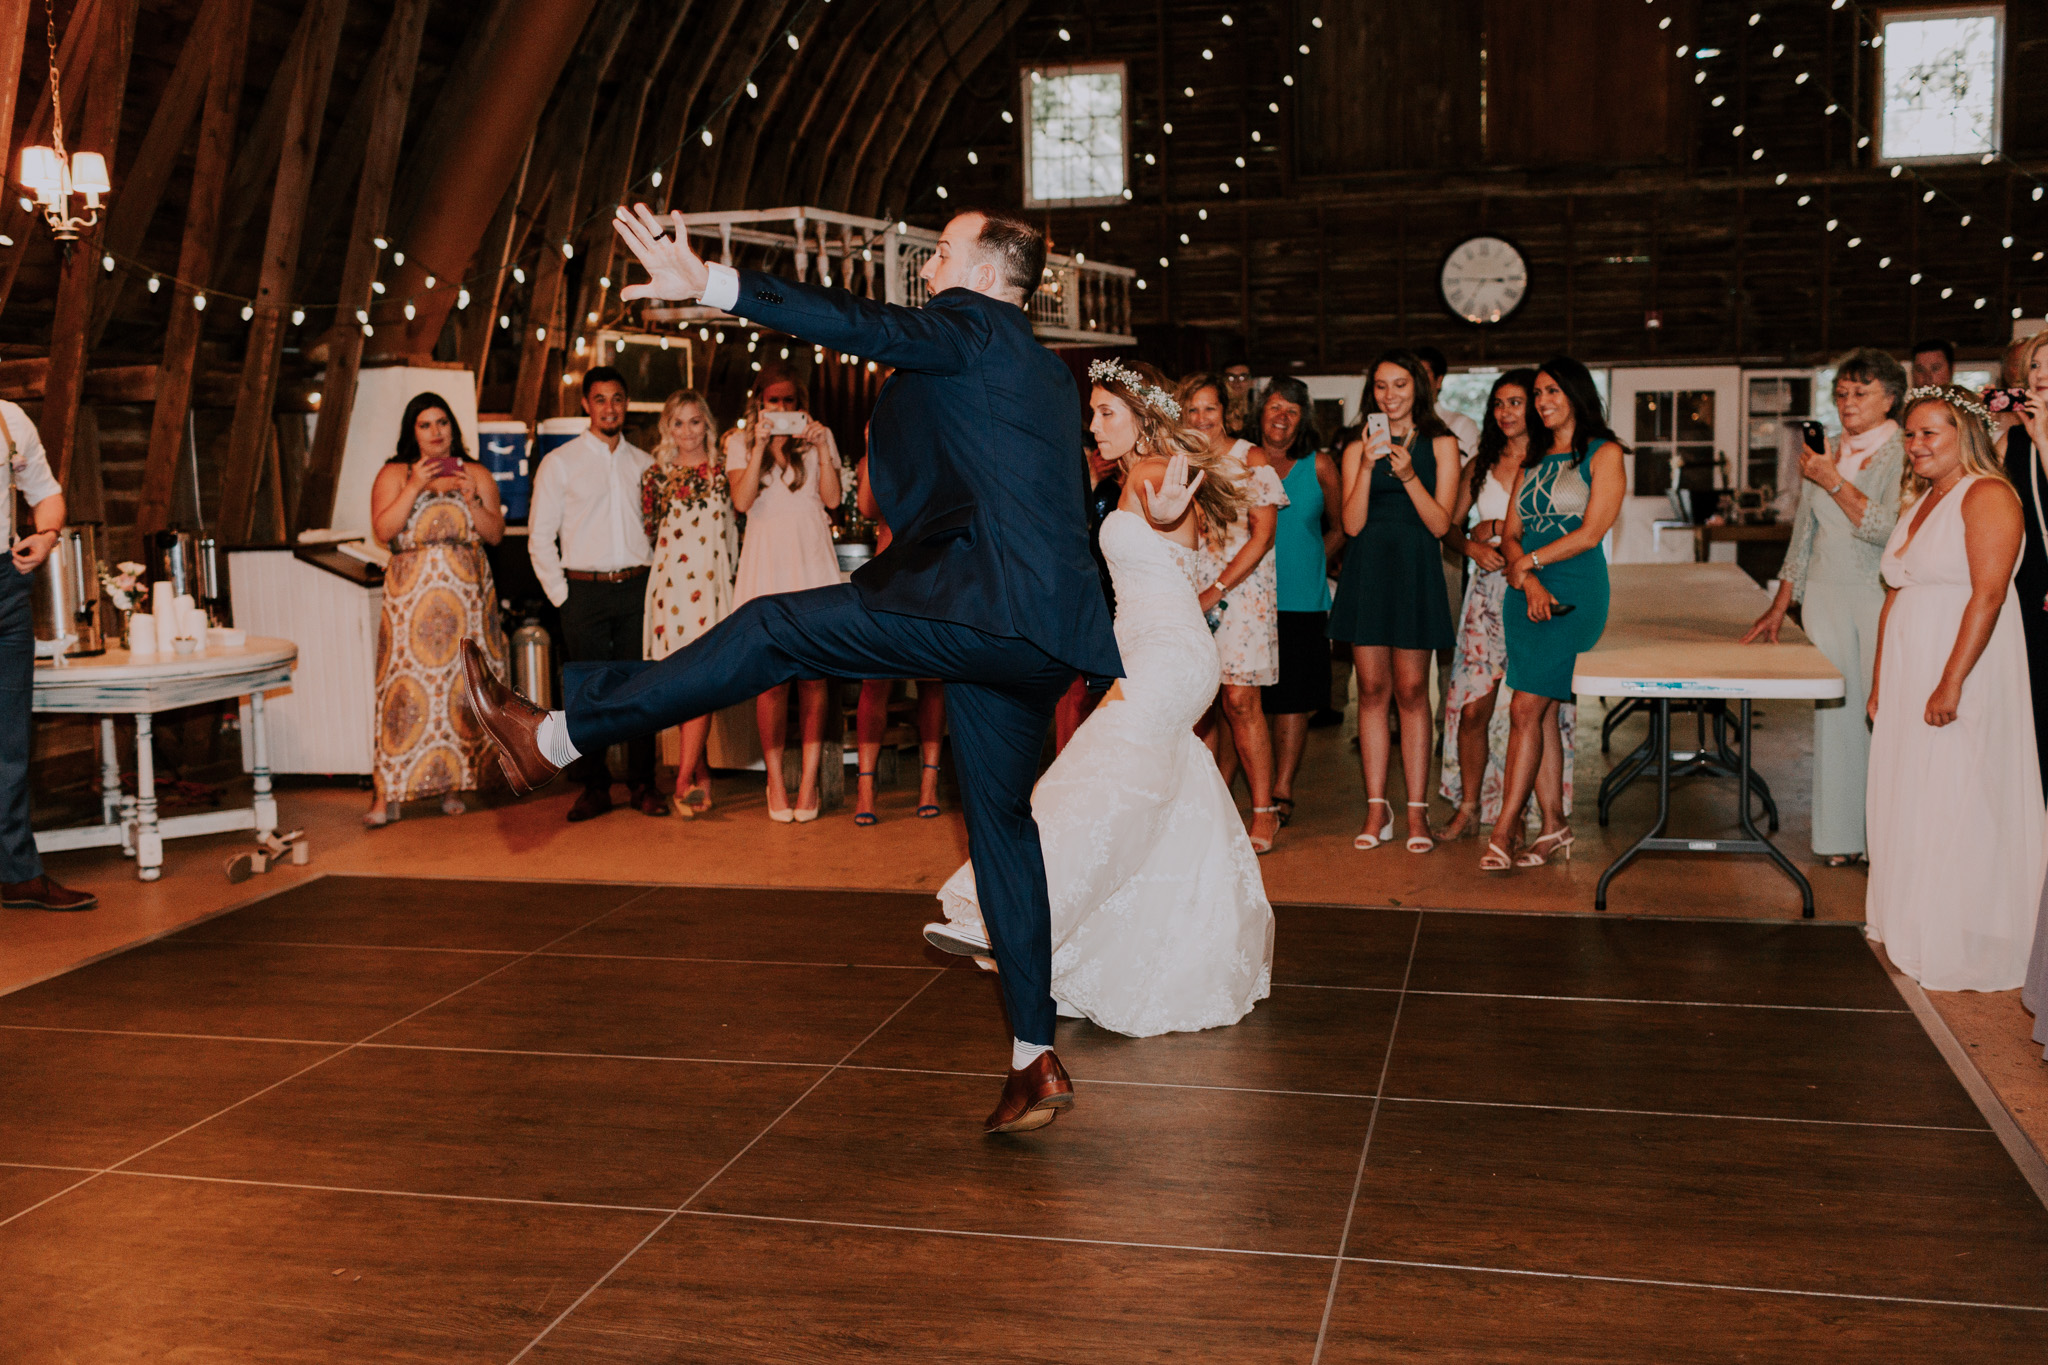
(1556, 606)
(1390, 607)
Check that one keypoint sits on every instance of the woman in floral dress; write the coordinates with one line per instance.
(688, 516)
(436, 507)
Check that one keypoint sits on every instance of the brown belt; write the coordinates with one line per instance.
(621, 576)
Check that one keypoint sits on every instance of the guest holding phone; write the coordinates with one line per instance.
(1565, 503)
(1848, 504)
(1400, 481)
(783, 469)
(436, 507)
(2024, 450)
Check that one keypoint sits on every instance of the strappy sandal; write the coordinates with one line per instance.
(863, 818)
(1495, 859)
(1420, 843)
(1367, 840)
(930, 810)
(1262, 846)
(1284, 805)
(681, 804)
(451, 804)
(389, 817)
(1537, 855)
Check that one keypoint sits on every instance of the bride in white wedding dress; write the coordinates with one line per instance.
(1160, 921)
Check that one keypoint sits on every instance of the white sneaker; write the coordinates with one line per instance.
(949, 937)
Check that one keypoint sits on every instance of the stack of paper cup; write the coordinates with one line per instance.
(142, 633)
(191, 624)
(162, 606)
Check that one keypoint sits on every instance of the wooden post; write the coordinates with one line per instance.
(306, 106)
(210, 163)
(393, 93)
(81, 267)
(13, 35)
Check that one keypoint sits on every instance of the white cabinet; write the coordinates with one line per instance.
(326, 721)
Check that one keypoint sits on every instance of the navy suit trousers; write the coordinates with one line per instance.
(1000, 694)
(19, 861)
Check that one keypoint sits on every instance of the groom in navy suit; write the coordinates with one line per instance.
(975, 452)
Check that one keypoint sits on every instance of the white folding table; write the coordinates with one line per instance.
(1673, 635)
(116, 683)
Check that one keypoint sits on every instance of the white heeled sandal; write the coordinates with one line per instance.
(1366, 839)
(1537, 855)
(1420, 843)
(1263, 845)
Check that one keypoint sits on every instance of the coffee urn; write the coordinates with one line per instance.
(533, 665)
(66, 591)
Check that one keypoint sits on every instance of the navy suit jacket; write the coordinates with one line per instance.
(975, 457)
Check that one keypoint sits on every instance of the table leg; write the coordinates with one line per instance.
(110, 774)
(265, 805)
(1628, 707)
(149, 845)
(1660, 735)
(1749, 826)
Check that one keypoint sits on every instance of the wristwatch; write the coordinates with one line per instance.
(1221, 591)
(1837, 488)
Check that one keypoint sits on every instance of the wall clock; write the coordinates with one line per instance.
(1483, 280)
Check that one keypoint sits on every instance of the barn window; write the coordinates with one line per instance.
(1940, 83)
(1074, 138)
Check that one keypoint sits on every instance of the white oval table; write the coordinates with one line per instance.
(118, 683)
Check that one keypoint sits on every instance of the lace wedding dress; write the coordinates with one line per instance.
(1160, 921)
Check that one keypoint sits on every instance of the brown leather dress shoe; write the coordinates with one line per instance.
(510, 720)
(1032, 1097)
(45, 894)
(648, 801)
(594, 802)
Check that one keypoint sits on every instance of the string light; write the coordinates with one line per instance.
(199, 303)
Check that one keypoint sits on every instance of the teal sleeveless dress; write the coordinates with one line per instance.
(1391, 592)
(1542, 655)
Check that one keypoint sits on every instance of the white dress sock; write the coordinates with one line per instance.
(1023, 1054)
(553, 738)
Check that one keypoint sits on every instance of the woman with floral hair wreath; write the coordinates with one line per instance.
(1159, 916)
(1955, 810)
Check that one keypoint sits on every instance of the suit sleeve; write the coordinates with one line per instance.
(925, 340)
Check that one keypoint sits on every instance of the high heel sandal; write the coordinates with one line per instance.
(1537, 855)
(803, 815)
(1427, 843)
(1496, 858)
(1367, 840)
(451, 804)
(863, 818)
(680, 804)
(781, 817)
(1259, 845)
(929, 810)
(389, 817)
(1285, 806)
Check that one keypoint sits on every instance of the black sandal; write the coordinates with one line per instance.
(1285, 805)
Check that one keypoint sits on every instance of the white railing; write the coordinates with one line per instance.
(1081, 302)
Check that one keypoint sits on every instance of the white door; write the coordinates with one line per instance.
(1681, 426)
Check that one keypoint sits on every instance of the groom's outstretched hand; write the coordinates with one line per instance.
(677, 272)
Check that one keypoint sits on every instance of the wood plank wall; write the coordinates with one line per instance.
(1637, 199)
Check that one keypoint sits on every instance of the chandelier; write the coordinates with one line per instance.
(54, 175)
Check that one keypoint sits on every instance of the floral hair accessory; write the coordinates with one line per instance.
(1960, 399)
(1151, 395)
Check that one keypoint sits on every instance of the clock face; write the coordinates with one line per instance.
(1484, 279)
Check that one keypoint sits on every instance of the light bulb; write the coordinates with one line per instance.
(1884, 263)
(1066, 37)
(1202, 214)
(1223, 187)
(1141, 282)
(655, 179)
(973, 159)
(298, 316)
(410, 311)
(1915, 278)
(398, 258)
(107, 264)
(362, 315)
(568, 251)
(462, 298)
(504, 321)
(430, 281)
(1007, 118)
(518, 275)
(1208, 55)
(377, 286)
(540, 334)
(382, 243)
(1167, 128)
(753, 91)
(706, 135)
(664, 343)
(368, 330)
(199, 302)
(794, 45)
(1781, 177)
(942, 191)
(155, 284)
(247, 312)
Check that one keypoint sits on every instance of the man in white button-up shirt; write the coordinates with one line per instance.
(23, 883)
(591, 555)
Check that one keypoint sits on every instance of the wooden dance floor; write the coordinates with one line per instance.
(415, 1120)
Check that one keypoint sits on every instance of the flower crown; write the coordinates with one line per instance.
(1151, 395)
(1955, 398)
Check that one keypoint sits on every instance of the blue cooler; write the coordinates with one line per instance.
(504, 454)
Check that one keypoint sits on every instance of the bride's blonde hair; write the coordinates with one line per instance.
(1144, 392)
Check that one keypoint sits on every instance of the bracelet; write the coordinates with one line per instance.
(1534, 562)
(1221, 590)
(1837, 488)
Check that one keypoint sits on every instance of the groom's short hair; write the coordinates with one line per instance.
(1014, 245)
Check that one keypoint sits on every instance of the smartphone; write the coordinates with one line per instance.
(1816, 437)
(1375, 427)
(1558, 609)
(784, 423)
(2006, 400)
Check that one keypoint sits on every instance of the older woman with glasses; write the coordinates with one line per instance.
(1848, 504)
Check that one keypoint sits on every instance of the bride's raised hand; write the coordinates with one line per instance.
(1167, 500)
(677, 272)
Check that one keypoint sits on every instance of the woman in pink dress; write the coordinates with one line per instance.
(783, 486)
(1954, 809)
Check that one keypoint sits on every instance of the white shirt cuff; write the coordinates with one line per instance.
(724, 289)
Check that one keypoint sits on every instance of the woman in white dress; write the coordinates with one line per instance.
(1160, 922)
(1955, 812)
(783, 486)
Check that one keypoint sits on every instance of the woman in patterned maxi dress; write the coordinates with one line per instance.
(436, 507)
(688, 515)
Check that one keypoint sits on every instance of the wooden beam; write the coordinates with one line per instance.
(807, 181)
(494, 257)
(111, 48)
(73, 54)
(177, 108)
(770, 174)
(397, 59)
(417, 178)
(306, 107)
(261, 146)
(210, 163)
(13, 39)
(707, 49)
(896, 182)
(947, 33)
